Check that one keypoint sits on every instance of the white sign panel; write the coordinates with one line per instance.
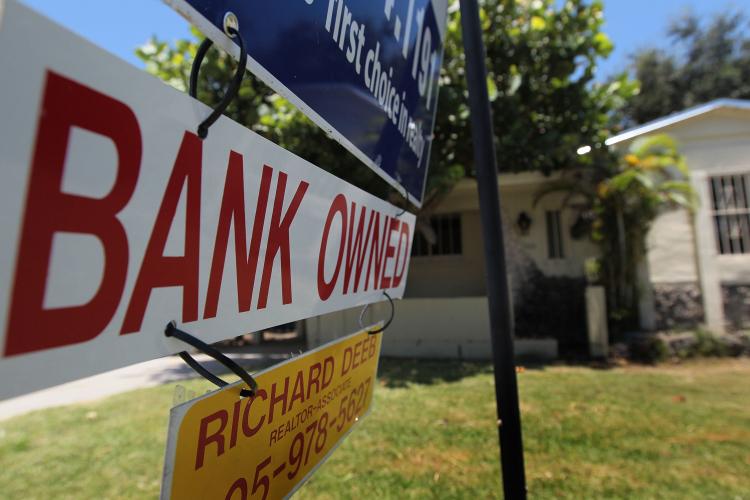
(116, 218)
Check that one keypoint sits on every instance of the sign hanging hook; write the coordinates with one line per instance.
(387, 323)
(406, 197)
(172, 331)
(232, 30)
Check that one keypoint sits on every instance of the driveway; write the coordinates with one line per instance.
(148, 374)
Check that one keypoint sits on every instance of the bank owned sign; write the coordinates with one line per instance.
(116, 218)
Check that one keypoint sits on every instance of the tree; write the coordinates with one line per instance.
(709, 60)
(541, 62)
(256, 106)
(618, 202)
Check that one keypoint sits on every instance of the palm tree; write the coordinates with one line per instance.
(618, 198)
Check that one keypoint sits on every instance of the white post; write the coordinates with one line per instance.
(646, 310)
(596, 321)
(707, 256)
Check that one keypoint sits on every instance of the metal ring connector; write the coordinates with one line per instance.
(172, 331)
(231, 23)
(406, 196)
(387, 323)
(234, 86)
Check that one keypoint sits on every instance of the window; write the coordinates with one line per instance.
(554, 235)
(730, 197)
(447, 231)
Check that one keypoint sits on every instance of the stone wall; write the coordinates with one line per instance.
(678, 305)
(736, 299)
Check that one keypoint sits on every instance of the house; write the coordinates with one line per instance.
(698, 266)
(697, 270)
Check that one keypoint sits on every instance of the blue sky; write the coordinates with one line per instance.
(634, 24)
(121, 26)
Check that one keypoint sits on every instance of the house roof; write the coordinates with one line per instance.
(672, 119)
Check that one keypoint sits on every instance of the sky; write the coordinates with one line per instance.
(636, 24)
(121, 26)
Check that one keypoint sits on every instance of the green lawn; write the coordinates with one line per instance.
(666, 432)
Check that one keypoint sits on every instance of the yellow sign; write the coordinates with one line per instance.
(264, 447)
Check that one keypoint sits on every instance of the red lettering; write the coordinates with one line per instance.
(158, 270)
(325, 289)
(235, 422)
(365, 344)
(299, 390)
(347, 361)
(278, 241)
(403, 237)
(246, 262)
(67, 104)
(217, 437)
(390, 250)
(239, 485)
(355, 357)
(281, 398)
(358, 250)
(377, 251)
(247, 429)
(327, 372)
(313, 379)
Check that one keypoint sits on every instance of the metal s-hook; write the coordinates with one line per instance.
(233, 88)
(172, 331)
(387, 323)
(406, 196)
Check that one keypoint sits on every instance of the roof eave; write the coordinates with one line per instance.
(678, 117)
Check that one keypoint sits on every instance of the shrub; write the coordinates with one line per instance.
(708, 345)
(552, 307)
(701, 343)
(651, 349)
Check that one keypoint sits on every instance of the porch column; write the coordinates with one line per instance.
(707, 256)
(646, 309)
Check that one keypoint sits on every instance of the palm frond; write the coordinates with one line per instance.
(566, 186)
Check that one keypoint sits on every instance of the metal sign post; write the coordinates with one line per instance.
(506, 387)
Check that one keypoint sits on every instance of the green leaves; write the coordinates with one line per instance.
(538, 23)
(541, 59)
(709, 59)
(624, 195)
(604, 45)
(491, 88)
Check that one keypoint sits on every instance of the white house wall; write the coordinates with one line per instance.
(455, 327)
(444, 313)
(463, 275)
(451, 275)
(671, 295)
(686, 270)
(445, 310)
(671, 248)
(534, 245)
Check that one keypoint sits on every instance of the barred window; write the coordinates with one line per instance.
(554, 235)
(731, 212)
(447, 229)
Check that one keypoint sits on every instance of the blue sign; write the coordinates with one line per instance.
(366, 71)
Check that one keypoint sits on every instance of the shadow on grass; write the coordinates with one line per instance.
(253, 358)
(395, 373)
(398, 373)
(392, 372)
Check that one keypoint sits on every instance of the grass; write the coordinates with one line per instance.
(665, 432)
